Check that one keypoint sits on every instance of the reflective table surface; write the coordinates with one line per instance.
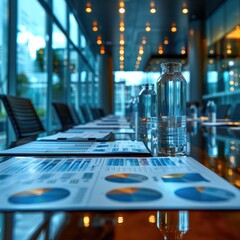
(216, 148)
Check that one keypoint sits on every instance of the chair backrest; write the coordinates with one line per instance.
(64, 115)
(235, 115)
(75, 116)
(23, 116)
(87, 113)
(222, 110)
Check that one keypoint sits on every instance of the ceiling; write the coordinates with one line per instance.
(137, 14)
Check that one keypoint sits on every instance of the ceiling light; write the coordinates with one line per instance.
(121, 41)
(121, 67)
(166, 42)
(88, 8)
(183, 51)
(211, 51)
(144, 40)
(152, 7)
(99, 40)
(141, 51)
(121, 50)
(95, 26)
(121, 27)
(160, 49)
(102, 49)
(148, 28)
(173, 27)
(139, 58)
(121, 58)
(121, 7)
(184, 10)
(229, 48)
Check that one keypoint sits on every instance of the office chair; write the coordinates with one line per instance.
(235, 115)
(87, 113)
(222, 111)
(64, 114)
(76, 118)
(23, 117)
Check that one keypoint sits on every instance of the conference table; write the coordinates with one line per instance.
(217, 148)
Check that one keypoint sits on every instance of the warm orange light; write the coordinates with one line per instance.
(121, 50)
(121, 27)
(185, 10)
(102, 49)
(211, 51)
(173, 28)
(235, 34)
(152, 7)
(121, 41)
(183, 51)
(95, 26)
(160, 49)
(121, 7)
(141, 51)
(211, 61)
(88, 8)
(99, 40)
(166, 42)
(144, 40)
(148, 28)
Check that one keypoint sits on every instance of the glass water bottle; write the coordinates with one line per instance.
(147, 110)
(171, 91)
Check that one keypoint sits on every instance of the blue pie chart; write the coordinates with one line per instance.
(133, 194)
(204, 194)
(126, 178)
(39, 195)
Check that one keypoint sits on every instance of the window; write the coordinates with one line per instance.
(60, 65)
(31, 55)
(60, 11)
(74, 77)
(3, 66)
(73, 29)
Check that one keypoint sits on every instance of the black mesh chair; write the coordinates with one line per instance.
(235, 115)
(23, 117)
(64, 114)
(222, 111)
(87, 113)
(76, 118)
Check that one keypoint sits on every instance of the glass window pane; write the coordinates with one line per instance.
(3, 68)
(73, 29)
(74, 77)
(31, 55)
(60, 64)
(60, 11)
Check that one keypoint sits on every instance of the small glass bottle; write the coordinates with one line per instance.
(147, 110)
(171, 91)
(135, 118)
(211, 111)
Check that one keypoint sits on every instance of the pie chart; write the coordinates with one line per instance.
(133, 194)
(39, 195)
(204, 194)
(126, 178)
(184, 177)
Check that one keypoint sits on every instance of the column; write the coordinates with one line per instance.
(105, 83)
(197, 59)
